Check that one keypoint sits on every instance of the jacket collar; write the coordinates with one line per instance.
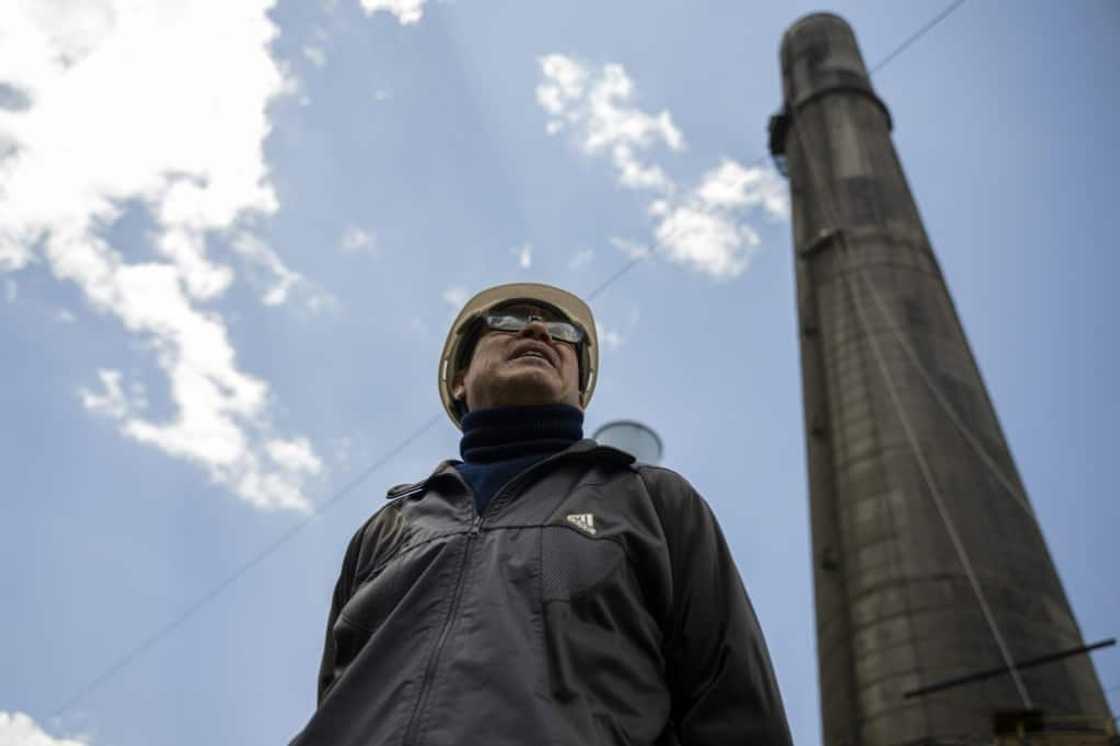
(581, 449)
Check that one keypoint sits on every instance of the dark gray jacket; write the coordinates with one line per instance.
(594, 603)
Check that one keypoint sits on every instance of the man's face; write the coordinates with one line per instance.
(520, 368)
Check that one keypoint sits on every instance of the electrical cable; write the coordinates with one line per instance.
(948, 11)
(625, 268)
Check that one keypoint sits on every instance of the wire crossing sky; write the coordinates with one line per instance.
(227, 276)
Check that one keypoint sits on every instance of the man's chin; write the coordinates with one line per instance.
(531, 388)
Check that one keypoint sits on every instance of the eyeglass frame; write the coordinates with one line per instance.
(489, 320)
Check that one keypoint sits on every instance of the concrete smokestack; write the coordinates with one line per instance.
(928, 561)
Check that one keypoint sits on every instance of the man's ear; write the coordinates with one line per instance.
(459, 388)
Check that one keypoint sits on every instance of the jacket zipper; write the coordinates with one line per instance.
(430, 670)
(496, 502)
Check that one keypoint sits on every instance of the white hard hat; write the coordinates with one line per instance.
(460, 341)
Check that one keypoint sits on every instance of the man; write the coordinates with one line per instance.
(545, 589)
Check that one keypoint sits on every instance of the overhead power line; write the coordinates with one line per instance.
(948, 11)
(625, 268)
(138, 650)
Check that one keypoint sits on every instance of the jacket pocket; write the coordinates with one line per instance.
(602, 646)
(573, 565)
(383, 592)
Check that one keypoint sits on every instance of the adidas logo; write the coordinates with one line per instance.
(583, 521)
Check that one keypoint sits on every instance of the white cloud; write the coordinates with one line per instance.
(564, 85)
(315, 55)
(632, 249)
(181, 135)
(596, 107)
(221, 421)
(456, 297)
(113, 401)
(524, 254)
(382, 94)
(355, 239)
(187, 249)
(705, 228)
(257, 252)
(705, 240)
(295, 455)
(64, 316)
(406, 11)
(18, 729)
(581, 259)
(732, 185)
(281, 280)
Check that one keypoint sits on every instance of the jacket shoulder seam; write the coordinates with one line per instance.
(655, 479)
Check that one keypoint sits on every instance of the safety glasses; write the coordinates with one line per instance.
(515, 320)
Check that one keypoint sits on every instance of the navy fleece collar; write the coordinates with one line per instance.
(502, 433)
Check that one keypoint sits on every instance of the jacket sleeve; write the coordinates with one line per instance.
(722, 683)
(342, 592)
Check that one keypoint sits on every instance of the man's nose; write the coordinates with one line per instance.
(536, 328)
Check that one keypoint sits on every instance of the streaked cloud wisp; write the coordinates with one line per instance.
(123, 110)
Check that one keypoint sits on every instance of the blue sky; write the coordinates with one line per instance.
(231, 240)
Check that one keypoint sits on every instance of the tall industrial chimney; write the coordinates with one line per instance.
(928, 562)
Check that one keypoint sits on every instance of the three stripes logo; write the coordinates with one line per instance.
(583, 521)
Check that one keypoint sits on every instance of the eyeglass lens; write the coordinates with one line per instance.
(515, 320)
